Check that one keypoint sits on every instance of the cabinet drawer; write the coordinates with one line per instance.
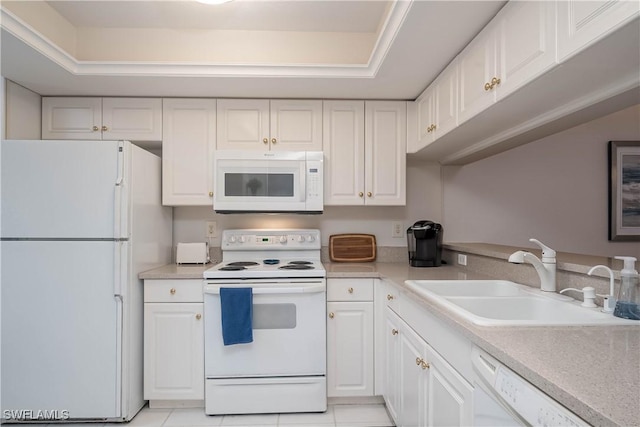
(350, 289)
(183, 290)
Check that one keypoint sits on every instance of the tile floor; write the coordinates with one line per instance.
(370, 415)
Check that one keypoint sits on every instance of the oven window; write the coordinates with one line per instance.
(258, 184)
(274, 316)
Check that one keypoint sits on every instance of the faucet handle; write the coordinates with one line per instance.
(548, 254)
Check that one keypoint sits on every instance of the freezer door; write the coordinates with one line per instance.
(60, 189)
(61, 328)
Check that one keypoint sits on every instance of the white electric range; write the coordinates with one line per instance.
(284, 368)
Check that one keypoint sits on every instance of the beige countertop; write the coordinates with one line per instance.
(594, 370)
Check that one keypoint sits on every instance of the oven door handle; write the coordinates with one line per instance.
(307, 289)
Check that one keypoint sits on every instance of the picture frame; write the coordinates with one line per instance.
(624, 190)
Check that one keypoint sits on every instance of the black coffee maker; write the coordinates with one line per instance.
(424, 240)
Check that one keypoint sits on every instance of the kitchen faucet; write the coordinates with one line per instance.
(546, 267)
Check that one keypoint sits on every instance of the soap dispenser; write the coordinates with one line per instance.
(628, 303)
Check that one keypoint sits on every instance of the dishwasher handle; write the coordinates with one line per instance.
(264, 290)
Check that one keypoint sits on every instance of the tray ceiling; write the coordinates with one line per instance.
(245, 48)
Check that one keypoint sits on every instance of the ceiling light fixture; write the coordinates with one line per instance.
(213, 1)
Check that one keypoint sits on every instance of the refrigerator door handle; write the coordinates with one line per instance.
(119, 259)
(120, 229)
(120, 177)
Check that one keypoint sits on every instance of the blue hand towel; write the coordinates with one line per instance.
(237, 315)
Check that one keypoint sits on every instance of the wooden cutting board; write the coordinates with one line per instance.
(352, 247)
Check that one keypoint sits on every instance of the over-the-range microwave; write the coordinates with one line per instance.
(268, 181)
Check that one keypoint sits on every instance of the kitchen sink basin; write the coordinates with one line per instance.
(505, 303)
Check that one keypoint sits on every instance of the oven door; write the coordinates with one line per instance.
(289, 330)
(251, 182)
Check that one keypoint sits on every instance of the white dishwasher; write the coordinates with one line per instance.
(503, 398)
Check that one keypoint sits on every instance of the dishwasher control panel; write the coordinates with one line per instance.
(520, 397)
(530, 403)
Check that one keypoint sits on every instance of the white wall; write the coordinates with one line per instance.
(424, 201)
(554, 189)
(23, 113)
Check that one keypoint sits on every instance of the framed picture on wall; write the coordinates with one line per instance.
(624, 190)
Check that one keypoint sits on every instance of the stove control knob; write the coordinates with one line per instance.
(283, 239)
(310, 238)
(301, 238)
(241, 239)
(232, 239)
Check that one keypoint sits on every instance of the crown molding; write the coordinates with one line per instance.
(31, 37)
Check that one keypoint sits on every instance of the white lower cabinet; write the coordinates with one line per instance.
(173, 340)
(350, 369)
(422, 389)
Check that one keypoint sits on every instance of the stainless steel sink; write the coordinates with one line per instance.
(505, 303)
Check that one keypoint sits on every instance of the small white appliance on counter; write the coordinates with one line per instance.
(80, 220)
(269, 181)
(192, 253)
(283, 368)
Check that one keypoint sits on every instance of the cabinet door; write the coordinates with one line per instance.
(133, 119)
(449, 395)
(392, 372)
(350, 349)
(414, 378)
(173, 351)
(188, 142)
(445, 101)
(426, 116)
(582, 23)
(296, 125)
(343, 145)
(385, 152)
(243, 124)
(477, 66)
(71, 118)
(526, 42)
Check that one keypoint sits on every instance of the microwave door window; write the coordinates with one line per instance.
(259, 185)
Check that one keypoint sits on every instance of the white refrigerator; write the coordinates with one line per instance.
(79, 221)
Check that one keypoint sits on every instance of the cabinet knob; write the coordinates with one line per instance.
(95, 128)
(394, 332)
(198, 316)
(265, 141)
(433, 127)
(369, 194)
(104, 128)
(419, 361)
(172, 291)
(273, 140)
(331, 315)
(487, 86)
(389, 297)
(361, 194)
(494, 81)
(210, 193)
(424, 365)
(350, 290)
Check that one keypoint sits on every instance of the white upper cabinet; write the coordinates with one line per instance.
(385, 152)
(261, 124)
(526, 43)
(517, 46)
(581, 23)
(365, 151)
(343, 133)
(134, 119)
(477, 68)
(438, 106)
(189, 140)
